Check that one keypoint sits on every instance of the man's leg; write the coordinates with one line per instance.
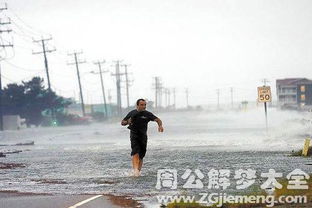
(136, 164)
(143, 145)
(135, 146)
(140, 164)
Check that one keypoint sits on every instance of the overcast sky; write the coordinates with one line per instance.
(202, 45)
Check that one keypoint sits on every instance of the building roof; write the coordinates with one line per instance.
(293, 81)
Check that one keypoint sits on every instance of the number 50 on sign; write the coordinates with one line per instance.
(264, 94)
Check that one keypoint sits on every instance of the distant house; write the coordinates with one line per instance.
(75, 109)
(294, 92)
(13, 122)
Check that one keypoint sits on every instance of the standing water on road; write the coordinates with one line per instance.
(96, 158)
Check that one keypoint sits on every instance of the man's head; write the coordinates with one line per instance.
(141, 104)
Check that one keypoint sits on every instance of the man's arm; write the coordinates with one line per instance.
(160, 127)
(126, 122)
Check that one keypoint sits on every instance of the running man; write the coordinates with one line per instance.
(137, 120)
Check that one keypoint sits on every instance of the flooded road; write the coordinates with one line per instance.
(95, 159)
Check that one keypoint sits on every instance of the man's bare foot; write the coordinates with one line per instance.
(136, 173)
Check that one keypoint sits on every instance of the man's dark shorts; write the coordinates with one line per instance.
(138, 143)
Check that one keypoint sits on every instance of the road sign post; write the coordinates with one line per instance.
(264, 96)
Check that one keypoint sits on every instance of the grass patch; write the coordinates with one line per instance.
(299, 152)
(184, 205)
(278, 192)
(293, 192)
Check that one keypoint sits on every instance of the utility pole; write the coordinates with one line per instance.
(160, 94)
(187, 97)
(157, 88)
(118, 80)
(157, 91)
(1, 58)
(127, 83)
(169, 94)
(265, 81)
(166, 97)
(102, 83)
(174, 97)
(77, 62)
(232, 97)
(218, 94)
(109, 96)
(161, 90)
(1, 109)
(44, 52)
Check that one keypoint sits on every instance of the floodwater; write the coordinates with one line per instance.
(96, 158)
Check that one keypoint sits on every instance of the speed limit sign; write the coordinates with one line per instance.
(264, 94)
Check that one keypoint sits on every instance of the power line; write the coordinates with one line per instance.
(28, 42)
(22, 47)
(19, 28)
(22, 68)
(23, 36)
(33, 75)
(7, 78)
(30, 29)
(265, 81)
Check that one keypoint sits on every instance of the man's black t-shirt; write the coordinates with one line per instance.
(139, 120)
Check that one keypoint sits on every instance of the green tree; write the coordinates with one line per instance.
(31, 99)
